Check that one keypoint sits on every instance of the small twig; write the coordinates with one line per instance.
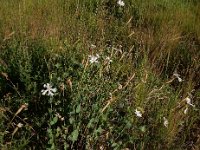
(119, 88)
(16, 115)
(130, 79)
(13, 85)
(108, 103)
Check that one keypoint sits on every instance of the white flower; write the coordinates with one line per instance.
(178, 77)
(108, 60)
(93, 46)
(19, 125)
(166, 123)
(138, 113)
(60, 117)
(49, 91)
(120, 3)
(186, 110)
(93, 59)
(188, 101)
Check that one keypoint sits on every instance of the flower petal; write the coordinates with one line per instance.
(54, 90)
(45, 85)
(179, 79)
(186, 110)
(44, 92)
(50, 93)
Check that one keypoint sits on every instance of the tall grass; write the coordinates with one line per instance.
(98, 105)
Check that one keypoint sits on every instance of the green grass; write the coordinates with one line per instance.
(95, 103)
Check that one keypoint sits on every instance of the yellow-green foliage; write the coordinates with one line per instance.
(127, 77)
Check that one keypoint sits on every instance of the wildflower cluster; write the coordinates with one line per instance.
(49, 91)
(120, 3)
(138, 113)
(176, 75)
(189, 103)
(93, 58)
(166, 123)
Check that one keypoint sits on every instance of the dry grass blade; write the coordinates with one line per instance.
(5, 75)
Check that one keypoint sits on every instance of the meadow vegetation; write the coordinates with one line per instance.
(91, 74)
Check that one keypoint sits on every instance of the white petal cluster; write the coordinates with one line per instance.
(49, 91)
(178, 77)
(138, 113)
(121, 3)
(93, 46)
(188, 101)
(60, 117)
(20, 125)
(166, 123)
(93, 58)
(186, 110)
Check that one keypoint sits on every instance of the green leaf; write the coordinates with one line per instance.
(142, 128)
(71, 120)
(66, 146)
(99, 130)
(128, 124)
(58, 130)
(114, 145)
(54, 121)
(78, 108)
(49, 131)
(57, 65)
(74, 135)
(91, 123)
(52, 146)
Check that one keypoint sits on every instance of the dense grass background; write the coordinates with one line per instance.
(50, 41)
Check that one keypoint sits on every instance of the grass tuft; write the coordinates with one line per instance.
(97, 75)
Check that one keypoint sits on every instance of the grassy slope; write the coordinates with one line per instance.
(49, 41)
